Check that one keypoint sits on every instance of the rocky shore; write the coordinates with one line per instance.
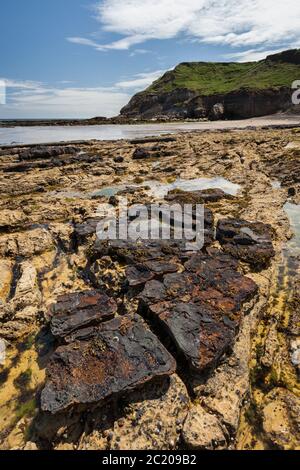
(65, 122)
(148, 345)
(288, 120)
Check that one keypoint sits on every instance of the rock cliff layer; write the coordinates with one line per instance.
(220, 90)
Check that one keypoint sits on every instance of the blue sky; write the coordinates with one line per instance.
(82, 58)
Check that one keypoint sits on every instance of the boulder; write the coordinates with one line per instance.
(79, 310)
(141, 154)
(250, 242)
(200, 308)
(217, 112)
(120, 355)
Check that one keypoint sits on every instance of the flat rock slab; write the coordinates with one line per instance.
(197, 331)
(199, 308)
(172, 218)
(46, 152)
(250, 242)
(85, 230)
(197, 197)
(140, 252)
(121, 354)
(79, 310)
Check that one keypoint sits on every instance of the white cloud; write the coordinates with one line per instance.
(45, 102)
(236, 23)
(140, 52)
(28, 99)
(251, 55)
(141, 80)
(23, 85)
(122, 44)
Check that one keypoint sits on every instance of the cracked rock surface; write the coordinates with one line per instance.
(149, 345)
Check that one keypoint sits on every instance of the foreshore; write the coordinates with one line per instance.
(275, 119)
(56, 134)
(217, 332)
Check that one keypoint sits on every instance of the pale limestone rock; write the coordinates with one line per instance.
(28, 315)
(3, 346)
(63, 233)
(27, 292)
(30, 446)
(14, 329)
(5, 278)
(19, 314)
(203, 431)
(27, 244)
(271, 346)
(152, 419)
(6, 311)
(281, 419)
(12, 218)
(295, 352)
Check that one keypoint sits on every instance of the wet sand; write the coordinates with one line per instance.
(48, 134)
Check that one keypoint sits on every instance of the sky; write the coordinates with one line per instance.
(86, 58)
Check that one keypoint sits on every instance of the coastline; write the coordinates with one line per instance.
(54, 135)
(121, 120)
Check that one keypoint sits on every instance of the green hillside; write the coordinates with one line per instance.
(210, 78)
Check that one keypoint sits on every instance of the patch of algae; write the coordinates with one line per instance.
(21, 379)
(279, 372)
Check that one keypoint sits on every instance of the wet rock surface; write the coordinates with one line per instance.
(197, 197)
(120, 354)
(197, 302)
(44, 152)
(200, 308)
(80, 310)
(281, 419)
(249, 242)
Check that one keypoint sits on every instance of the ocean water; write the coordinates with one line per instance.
(48, 134)
(160, 190)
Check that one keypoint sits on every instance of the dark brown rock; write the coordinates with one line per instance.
(148, 140)
(220, 282)
(197, 197)
(44, 152)
(80, 309)
(199, 309)
(119, 159)
(121, 355)
(250, 242)
(141, 154)
(198, 331)
(139, 252)
(85, 230)
(45, 162)
(137, 275)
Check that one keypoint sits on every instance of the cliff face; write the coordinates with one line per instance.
(184, 103)
(220, 90)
